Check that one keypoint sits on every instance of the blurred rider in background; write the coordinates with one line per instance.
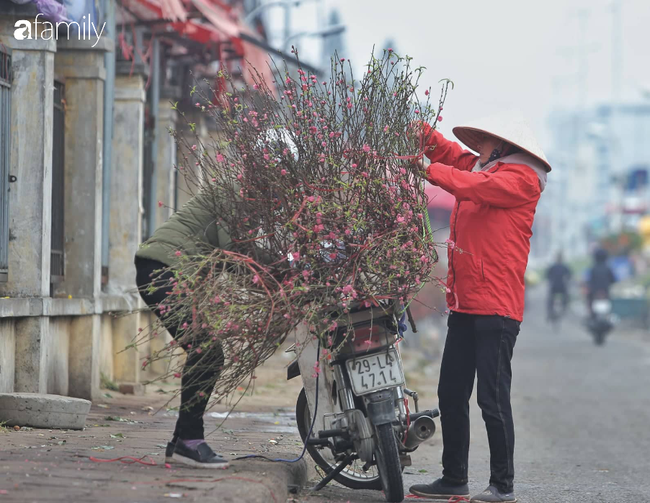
(599, 278)
(558, 276)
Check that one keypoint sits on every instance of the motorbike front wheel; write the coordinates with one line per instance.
(353, 476)
(388, 462)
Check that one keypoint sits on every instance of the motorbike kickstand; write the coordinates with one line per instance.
(339, 468)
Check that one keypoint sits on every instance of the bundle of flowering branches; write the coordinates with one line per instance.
(313, 182)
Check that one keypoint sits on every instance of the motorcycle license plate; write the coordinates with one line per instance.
(374, 372)
(602, 306)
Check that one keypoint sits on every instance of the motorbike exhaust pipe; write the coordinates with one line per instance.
(420, 430)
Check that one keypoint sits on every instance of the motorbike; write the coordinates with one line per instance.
(601, 321)
(353, 412)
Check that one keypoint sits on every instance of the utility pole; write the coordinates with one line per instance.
(583, 73)
(615, 169)
(287, 24)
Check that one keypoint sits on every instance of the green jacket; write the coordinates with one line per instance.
(192, 230)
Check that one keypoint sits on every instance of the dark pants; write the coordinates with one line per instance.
(482, 346)
(196, 378)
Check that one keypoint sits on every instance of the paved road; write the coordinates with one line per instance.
(582, 419)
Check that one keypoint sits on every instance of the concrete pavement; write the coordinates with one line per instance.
(40, 465)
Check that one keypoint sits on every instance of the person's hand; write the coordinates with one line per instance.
(418, 167)
(422, 131)
(417, 128)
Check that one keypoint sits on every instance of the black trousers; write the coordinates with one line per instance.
(197, 381)
(550, 302)
(478, 346)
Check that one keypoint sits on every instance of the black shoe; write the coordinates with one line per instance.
(169, 451)
(440, 490)
(493, 495)
(201, 457)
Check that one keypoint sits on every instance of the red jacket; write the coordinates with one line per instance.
(491, 227)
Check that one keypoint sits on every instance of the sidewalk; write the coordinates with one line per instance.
(55, 465)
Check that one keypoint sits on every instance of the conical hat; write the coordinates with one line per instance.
(507, 126)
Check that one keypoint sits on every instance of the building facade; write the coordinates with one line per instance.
(85, 159)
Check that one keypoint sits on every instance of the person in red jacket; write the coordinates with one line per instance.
(496, 195)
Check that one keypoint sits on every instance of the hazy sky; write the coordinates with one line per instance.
(501, 53)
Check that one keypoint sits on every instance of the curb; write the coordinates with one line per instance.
(282, 479)
(253, 481)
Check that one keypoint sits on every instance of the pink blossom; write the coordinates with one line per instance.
(177, 375)
(178, 253)
(283, 172)
(256, 278)
(160, 204)
(440, 118)
(193, 147)
(366, 148)
(450, 244)
(426, 92)
(354, 166)
(220, 158)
